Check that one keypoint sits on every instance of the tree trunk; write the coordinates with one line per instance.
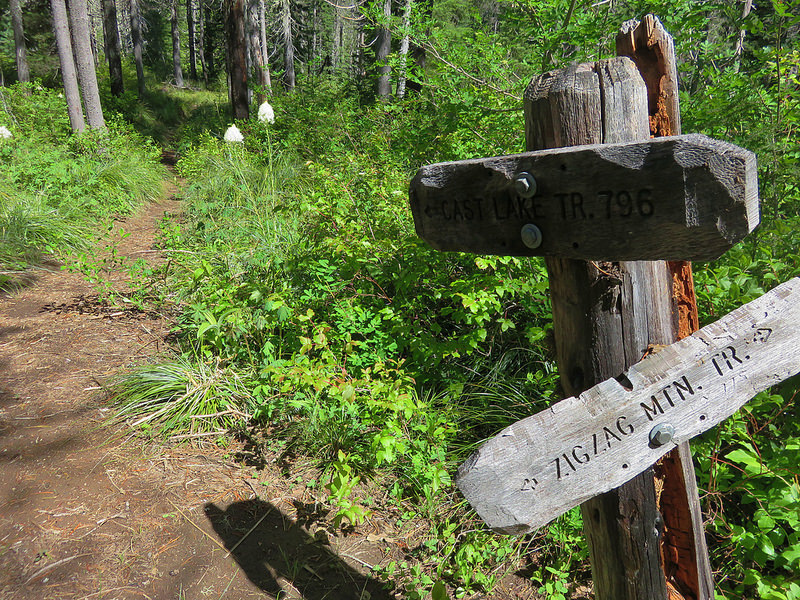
(404, 44)
(111, 46)
(237, 61)
(136, 39)
(337, 42)
(190, 20)
(201, 39)
(383, 46)
(176, 44)
(256, 50)
(288, 43)
(84, 61)
(23, 72)
(68, 75)
(262, 23)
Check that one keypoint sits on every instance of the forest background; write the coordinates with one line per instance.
(306, 310)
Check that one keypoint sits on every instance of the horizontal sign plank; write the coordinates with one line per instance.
(675, 198)
(541, 466)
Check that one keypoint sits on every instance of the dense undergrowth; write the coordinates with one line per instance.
(309, 308)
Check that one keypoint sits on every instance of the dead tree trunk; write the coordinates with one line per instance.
(262, 30)
(289, 79)
(404, 45)
(84, 61)
(68, 75)
(20, 49)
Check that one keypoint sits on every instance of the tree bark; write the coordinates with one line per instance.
(176, 44)
(201, 39)
(289, 79)
(111, 46)
(256, 51)
(383, 46)
(237, 57)
(190, 20)
(84, 61)
(67, 61)
(20, 49)
(605, 314)
(262, 24)
(136, 39)
(404, 45)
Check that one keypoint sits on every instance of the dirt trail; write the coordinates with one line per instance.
(89, 511)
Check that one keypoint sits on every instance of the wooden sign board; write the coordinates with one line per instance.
(542, 466)
(674, 198)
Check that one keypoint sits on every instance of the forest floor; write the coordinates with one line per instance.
(91, 510)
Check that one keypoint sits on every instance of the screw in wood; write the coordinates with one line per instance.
(531, 235)
(661, 434)
(525, 185)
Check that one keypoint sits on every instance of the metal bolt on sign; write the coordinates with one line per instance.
(531, 236)
(525, 185)
(661, 434)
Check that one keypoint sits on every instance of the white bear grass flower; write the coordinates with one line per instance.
(5, 133)
(265, 113)
(233, 134)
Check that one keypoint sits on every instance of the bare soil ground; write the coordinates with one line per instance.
(89, 510)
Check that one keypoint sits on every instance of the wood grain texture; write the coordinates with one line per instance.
(683, 546)
(596, 339)
(539, 467)
(684, 198)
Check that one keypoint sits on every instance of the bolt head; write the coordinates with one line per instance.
(531, 236)
(661, 434)
(525, 185)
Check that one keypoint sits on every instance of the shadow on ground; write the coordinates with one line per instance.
(274, 551)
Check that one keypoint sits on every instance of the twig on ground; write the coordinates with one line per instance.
(236, 545)
(52, 566)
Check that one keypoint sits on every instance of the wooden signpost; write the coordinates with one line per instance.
(679, 198)
(605, 214)
(542, 466)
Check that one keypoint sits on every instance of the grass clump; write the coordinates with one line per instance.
(182, 395)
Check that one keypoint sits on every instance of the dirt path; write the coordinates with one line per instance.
(89, 511)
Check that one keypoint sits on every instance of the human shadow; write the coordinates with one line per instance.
(270, 547)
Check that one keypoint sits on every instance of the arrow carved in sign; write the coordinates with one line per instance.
(675, 198)
(542, 466)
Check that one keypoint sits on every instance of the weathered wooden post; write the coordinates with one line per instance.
(606, 315)
(590, 211)
(684, 553)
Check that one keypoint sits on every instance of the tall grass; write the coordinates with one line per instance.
(29, 227)
(57, 187)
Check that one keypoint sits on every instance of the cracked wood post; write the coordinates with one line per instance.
(606, 314)
(684, 550)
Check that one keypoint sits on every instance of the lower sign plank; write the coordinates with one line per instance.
(675, 198)
(542, 466)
